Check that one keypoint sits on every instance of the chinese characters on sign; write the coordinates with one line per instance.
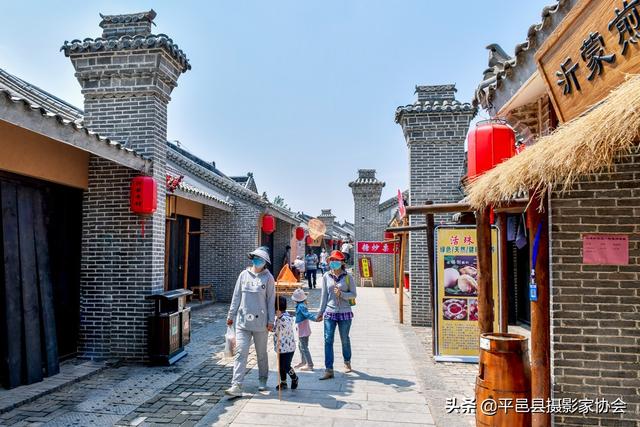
(366, 268)
(611, 249)
(456, 291)
(590, 53)
(380, 248)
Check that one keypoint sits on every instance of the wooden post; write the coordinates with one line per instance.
(403, 242)
(504, 274)
(395, 272)
(186, 255)
(485, 273)
(540, 367)
(431, 245)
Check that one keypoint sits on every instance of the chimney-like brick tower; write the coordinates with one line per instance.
(126, 77)
(435, 128)
(370, 223)
(327, 218)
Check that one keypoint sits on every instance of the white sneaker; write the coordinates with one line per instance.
(263, 385)
(235, 391)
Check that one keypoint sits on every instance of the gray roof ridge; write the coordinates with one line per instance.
(38, 96)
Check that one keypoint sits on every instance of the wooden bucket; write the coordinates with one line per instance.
(504, 373)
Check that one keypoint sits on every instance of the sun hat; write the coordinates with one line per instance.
(261, 252)
(336, 255)
(298, 295)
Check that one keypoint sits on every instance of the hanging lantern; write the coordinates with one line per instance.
(299, 234)
(339, 243)
(268, 224)
(143, 198)
(309, 240)
(388, 235)
(330, 242)
(490, 143)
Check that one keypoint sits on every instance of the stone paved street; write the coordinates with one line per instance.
(382, 391)
(395, 382)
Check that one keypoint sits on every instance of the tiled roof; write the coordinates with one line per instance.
(192, 189)
(36, 96)
(433, 107)
(147, 16)
(128, 42)
(392, 201)
(502, 66)
(76, 126)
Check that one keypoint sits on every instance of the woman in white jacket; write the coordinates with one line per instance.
(253, 311)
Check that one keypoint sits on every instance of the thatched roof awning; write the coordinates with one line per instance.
(587, 144)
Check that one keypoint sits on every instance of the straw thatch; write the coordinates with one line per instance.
(587, 144)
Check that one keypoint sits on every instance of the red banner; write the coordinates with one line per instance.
(380, 248)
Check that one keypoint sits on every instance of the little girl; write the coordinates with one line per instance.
(304, 330)
(284, 343)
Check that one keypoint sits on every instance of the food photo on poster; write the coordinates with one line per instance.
(460, 275)
(454, 309)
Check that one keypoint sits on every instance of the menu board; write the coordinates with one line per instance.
(456, 292)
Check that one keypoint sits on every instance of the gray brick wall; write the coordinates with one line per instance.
(228, 238)
(370, 223)
(281, 238)
(126, 94)
(595, 319)
(435, 138)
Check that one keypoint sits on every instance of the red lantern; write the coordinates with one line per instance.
(331, 242)
(388, 235)
(144, 195)
(339, 243)
(489, 144)
(268, 224)
(299, 234)
(309, 240)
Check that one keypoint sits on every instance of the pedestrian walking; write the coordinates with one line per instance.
(284, 343)
(304, 329)
(323, 260)
(338, 295)
(346, 250)
(311, 268)
(298, 267)
(252, 311)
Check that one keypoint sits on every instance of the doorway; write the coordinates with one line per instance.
(182, 268)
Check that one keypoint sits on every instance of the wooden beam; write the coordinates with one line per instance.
(504, 274)
(439, 208)
(431, 246)
(485, 272)
(406, 228)
(540, 340)
(403, 246)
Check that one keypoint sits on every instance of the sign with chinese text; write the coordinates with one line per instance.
(379, 248)
(402, 209)
(456, 292)
(605, 249)
(590, 52)
(366, 268)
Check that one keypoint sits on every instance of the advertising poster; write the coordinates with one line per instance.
(366, 269)
(456, 292)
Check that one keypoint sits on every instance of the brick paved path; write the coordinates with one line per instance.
(382, 390)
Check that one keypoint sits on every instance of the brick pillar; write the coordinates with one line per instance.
(126, 85)
(370, 223)
(435, 128)
(327, 218)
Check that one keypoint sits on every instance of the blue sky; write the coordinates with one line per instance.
(302, 93)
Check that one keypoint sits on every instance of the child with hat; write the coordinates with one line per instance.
(304, 330)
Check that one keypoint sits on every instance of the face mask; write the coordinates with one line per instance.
(258, 262)
(335, 265)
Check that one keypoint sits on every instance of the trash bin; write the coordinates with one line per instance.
(504, 376)
(169, 327)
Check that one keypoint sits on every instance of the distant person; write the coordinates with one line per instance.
(286, 258)
(323, 260)
(346, 250)
(304, 329)
(284, 343)
(298, 267)
(338, 294)
(311, 268)
(252, 311)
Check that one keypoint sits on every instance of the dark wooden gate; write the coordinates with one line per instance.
(183, 262)
(40, 232)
